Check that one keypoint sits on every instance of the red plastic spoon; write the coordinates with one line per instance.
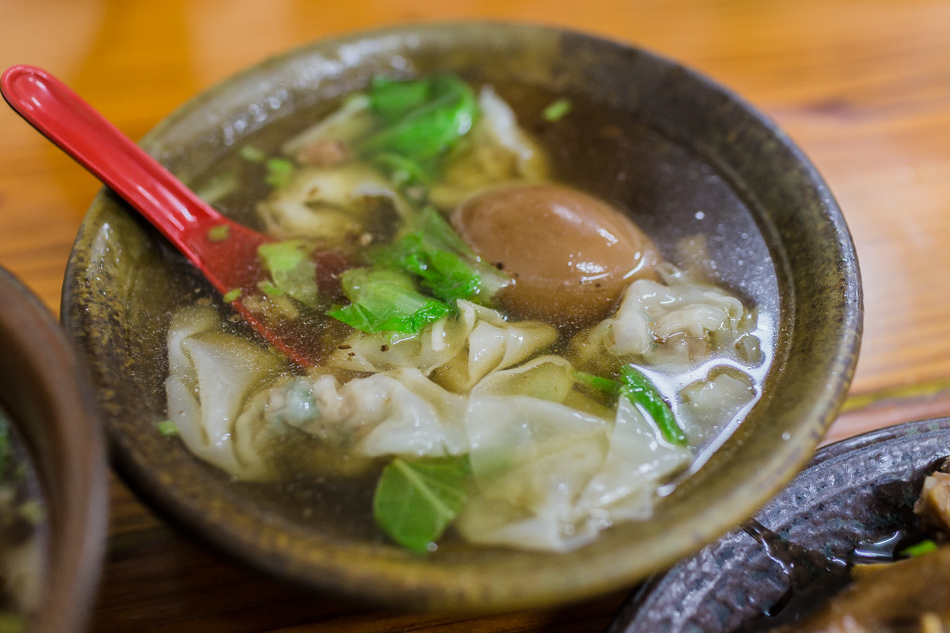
(185, 219)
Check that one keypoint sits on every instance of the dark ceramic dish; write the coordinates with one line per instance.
(773, 227)
(855, 500)
(45, 392)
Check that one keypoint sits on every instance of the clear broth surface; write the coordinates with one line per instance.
(671, 192)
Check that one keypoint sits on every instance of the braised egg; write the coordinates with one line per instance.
(570, 255)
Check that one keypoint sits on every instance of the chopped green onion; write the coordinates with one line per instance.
(601, 384)
(292, 270)
(232, 295)
(385, 300)
(270, 289)
(415, 501)
(638, 389)
(557, 110)
(251, 154)
(280, 172)
(219, 233)
(919, 549)
(167, 428)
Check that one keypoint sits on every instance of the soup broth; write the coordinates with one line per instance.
(703, 258)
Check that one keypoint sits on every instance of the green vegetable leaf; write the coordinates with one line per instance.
(392, 99)
(385, 300)
(292, 270)
(439, 234)
(421, 129)
(447, 276)
(642, 393)
(280, 172)
(447, 268)
(444, 274)
(415, 501)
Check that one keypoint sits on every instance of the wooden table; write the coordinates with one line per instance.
(862, 85)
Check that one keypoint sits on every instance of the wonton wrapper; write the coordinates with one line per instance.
(710, 404)
(327, 204)
(211, 376)
(349, 123)
(548, 476)
(457, 351)
(396, 413)
(551, 477)
(677, 325)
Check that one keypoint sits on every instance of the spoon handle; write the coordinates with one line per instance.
(63, 117)
(230, 262)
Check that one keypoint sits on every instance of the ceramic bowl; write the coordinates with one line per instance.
(772, 224)
(45, 392)
(854, 503)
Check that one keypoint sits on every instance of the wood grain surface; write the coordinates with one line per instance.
(863, 86)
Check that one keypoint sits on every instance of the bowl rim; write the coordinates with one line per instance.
(71, 465)
(405, 583)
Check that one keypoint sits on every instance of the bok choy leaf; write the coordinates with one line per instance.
(424, 118)
(292, 270)
(447, 268)
(415, 501)
(392, 99)
(385, 300)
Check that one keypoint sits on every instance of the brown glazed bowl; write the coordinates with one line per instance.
(774, 229)
(45, 391)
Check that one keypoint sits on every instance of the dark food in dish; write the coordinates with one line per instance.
(23, 533)
(909, 595)
(861, 523)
